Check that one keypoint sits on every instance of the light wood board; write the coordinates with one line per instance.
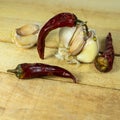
(96, 97)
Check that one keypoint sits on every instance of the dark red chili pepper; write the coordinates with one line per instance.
(60, 20)
(37, 70)
(104, 61)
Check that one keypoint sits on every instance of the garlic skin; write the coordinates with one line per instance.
(75, 46)
(77, 42)
(25, 42)
(27, 29)
(65, 35)
(62, 53)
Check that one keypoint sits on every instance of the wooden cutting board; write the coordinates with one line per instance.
(96, 97)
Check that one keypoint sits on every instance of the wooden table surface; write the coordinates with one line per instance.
(96, 97)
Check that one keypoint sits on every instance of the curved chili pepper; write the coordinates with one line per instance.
(104, 61)
(37, 70)
(60, 20)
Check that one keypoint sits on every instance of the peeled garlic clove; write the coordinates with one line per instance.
(28, 29)
(89, 51)
(77, 42)
(65, 35)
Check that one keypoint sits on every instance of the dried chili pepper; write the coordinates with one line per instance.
(104, 61)
(60, 20)
(37, 70)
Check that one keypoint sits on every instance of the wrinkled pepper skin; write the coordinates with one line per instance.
(37, 70)
(59, 20)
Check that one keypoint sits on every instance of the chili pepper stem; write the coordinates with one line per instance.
(86, 28)
(79, 21)
(12, 70)
(117, 55)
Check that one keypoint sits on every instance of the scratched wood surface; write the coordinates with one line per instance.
(96, 97)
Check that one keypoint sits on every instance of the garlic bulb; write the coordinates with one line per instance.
(65, 35)
(76, 45)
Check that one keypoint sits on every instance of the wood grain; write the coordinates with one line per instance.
(45, 99)
(96, 97)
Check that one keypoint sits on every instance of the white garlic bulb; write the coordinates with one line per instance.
(65, 35)
(77, 45)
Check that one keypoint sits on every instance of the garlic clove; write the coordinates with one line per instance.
(77, 42)
(28, 29)
(89, 51)
(77, 46)
(27, 41)
(26, 36)
(65, 35)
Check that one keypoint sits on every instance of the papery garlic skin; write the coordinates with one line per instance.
(62, 53)
(65, 35)
(27, 29)
(78, 41)
(26, 41)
